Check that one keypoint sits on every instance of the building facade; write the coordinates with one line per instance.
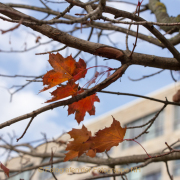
(166, 128)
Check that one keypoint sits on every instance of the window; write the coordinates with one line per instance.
(135, 174)
(138, 173)
(176, 170)
(176, 117)
(24, 175)
(155, 130)
(176, 164)
(153, 176)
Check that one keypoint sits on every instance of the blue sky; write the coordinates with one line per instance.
(56, 121)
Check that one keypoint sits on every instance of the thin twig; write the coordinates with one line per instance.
(25, 50)
(35, 80)
(141, 96)
(44, 4)
(60, 49)
(51, 160)
(64, 12)
(22, 86)
(26, 128)
(127, 48)
(13, 28)
(14, 76)
(167, 168)
(89, 37)
(152, 121)
(137, 9)
(171, 145)
(146, 76)
(173, 76)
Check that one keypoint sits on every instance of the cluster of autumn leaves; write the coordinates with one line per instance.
(67, 69)
(103, 140)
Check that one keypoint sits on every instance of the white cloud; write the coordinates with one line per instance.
(23, 103)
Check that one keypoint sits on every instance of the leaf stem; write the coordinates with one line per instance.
(139, 144)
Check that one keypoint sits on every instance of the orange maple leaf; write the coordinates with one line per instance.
(107, 138)
(80, 70)
(64, 69)
(70, 155)
(103, 140)
(61, 92)
(52, 78)
(91, 153)
(79, 145)
(83, 105)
